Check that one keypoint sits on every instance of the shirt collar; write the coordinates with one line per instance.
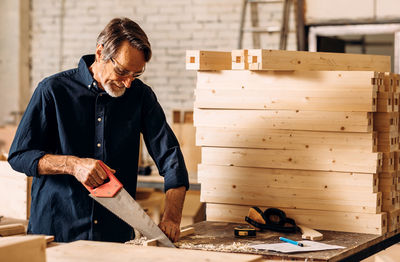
(83, 67)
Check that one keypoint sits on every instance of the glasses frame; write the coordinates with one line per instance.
(122, 72)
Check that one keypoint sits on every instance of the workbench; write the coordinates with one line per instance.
(154, 180)
(214, 236)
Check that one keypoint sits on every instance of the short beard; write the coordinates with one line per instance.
(114, 92)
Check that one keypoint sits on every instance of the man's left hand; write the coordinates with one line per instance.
(171, 229)
(170, 223)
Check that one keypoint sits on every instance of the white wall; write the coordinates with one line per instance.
(14, 57)
(64, 30)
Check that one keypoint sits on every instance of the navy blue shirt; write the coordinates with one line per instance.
(69, 115)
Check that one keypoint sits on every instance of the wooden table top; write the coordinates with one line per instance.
(214, 236)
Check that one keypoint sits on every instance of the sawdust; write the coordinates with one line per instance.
(234, 247)
(137, 241)
(200, 237)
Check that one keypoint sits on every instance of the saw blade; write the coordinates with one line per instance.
(126, 208)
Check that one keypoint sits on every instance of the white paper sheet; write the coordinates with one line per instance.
(290, 248)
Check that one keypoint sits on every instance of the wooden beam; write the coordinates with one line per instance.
(388, 141)
(388, 162)
(396, 102)
(291, 179)
(239, 59)
(208, 60)
(292, 99)
(393, 220)
(236, 191)
(390, 201)
(12, 229)
(293, 159)
(321, 220)
(385, 102)
(285, 119)
(387, 181)
(261, 59)
(397, 160)
(23, 248)
(386, 122)
(289, 80)
(285, 139)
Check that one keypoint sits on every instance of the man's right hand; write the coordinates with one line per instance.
(86, 170)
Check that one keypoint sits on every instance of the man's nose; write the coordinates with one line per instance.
(127, 82)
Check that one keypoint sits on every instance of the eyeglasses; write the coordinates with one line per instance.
(120, 71)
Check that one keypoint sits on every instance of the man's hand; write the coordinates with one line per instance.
(171, 220)
(86, 170)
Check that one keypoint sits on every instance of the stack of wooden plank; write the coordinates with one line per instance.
(315, 134)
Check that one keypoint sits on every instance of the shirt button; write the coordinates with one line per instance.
(94, 83)
(98, 145)
(88, 85)
(95, 221)
(101, 95)
(99, 119)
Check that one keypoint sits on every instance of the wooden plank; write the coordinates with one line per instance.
(291, 179)
(390, 201)
(82, 251)
(388, 162)
(385, 102)
(236, 191)
(285, 119)
(293, 159)
(309, 233)
(397, 160)
(398, 181)
(387, 181)
(291, 99)
(14, 192)
(23, 248)
(396, 102)
(386, 122)
(320, 220)
(239, 59)
(208, 60)
(288, 80)
(388, 141)
(285, 139)
(315, 61)
(12, 229)
(393, 220)
(396, 82)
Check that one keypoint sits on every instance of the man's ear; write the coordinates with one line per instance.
(99, 50)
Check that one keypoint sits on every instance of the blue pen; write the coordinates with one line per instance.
(291, 241)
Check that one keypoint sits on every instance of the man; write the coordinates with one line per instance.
(94, 113)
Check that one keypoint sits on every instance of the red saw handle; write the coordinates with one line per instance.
(108, 189)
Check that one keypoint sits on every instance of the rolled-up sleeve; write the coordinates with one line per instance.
(31, 140)
(162, 144)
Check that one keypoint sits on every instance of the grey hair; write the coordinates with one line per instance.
(119, 30)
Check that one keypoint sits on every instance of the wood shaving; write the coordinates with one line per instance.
(234, 247)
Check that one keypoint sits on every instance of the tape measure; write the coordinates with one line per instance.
(244, 231)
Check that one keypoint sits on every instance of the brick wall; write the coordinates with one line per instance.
(64, 30)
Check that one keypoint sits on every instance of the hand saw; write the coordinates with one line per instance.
(116, 199)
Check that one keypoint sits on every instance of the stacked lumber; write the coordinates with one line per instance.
(311, 133)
